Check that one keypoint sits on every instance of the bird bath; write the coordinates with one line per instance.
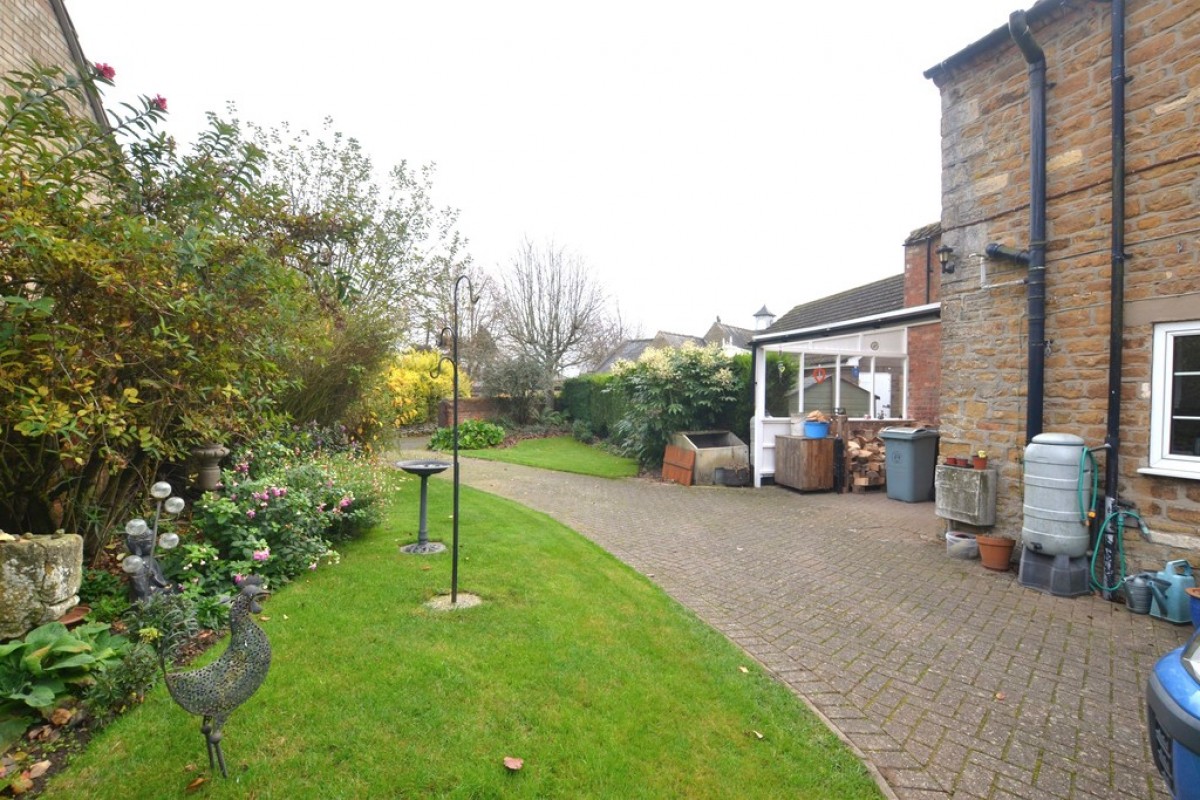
(423, 468)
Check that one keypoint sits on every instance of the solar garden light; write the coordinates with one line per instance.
(142, 539)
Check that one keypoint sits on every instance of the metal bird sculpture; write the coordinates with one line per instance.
(215, 690)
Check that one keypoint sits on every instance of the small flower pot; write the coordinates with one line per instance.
(995, 552)
(979, 463)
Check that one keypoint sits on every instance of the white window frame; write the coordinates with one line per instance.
(1162, 461)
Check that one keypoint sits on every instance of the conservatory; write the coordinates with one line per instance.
(859, 367)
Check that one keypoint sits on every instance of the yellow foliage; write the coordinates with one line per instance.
(415, 386)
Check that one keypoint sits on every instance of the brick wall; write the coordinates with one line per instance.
(985, 184)
(921, 286)
(30, 33)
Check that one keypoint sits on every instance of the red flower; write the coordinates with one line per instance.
(105, 71)
(159, 102)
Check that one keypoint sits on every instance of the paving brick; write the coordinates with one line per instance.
(909, 675)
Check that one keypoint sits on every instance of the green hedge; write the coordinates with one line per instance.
(584, 399)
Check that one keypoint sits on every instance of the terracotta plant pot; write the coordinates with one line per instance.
(995, 552)
(979, 463)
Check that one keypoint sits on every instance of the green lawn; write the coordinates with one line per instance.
(602, 684)
(560, 453)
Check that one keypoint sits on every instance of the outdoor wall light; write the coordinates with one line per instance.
(944, 253)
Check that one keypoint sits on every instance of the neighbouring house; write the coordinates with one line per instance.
(872, 353)
(41, 32)
(732, 339)
(1071, 222)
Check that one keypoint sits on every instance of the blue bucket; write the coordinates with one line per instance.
(816, 430)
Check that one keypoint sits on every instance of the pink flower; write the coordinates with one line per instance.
(159, 102)
(250, 513)
(238, 577)
(262, 555)
(347, 500)
(105, 71)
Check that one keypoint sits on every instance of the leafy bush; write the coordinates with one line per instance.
(415, 387)
(669, 390)
(587, 399)
(274, 523)
(582, 432)
(124, 683)
(473, 434)
(50, 663)
(165, 621)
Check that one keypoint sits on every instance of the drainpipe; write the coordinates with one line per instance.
(1018, 29)
(1112, 438)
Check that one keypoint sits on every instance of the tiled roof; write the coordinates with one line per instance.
(735, 336)
(879, 297)
(923, 233)
(628, 350)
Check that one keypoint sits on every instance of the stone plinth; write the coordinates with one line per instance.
(39, 581)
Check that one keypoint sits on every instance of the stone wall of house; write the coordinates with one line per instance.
(985, 184)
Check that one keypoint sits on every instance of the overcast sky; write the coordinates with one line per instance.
(704, 158)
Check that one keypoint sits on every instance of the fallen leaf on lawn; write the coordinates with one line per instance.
(39, 769)
(425, 568)
(190, 768)
(513, 764)
(745, 670)
(757, 735)
(999, 695)
(61, 716)
(264, 618)
(196, 784)
(285, 616)
(20, 784)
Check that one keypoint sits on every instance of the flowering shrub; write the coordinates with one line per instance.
(263, 527)
(669, 390)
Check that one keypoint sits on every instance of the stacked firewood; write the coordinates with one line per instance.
(866, 461)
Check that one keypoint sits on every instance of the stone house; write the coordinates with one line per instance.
(41, 32)
(1071, 210)
(873, 351)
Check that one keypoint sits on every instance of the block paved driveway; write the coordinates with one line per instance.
(950, 681)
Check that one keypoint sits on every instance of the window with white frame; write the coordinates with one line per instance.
(1175, 404)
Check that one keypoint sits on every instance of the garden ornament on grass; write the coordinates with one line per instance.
(215, 690)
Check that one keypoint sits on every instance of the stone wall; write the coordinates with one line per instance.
(985, 183)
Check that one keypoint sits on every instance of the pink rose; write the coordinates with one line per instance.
(105, 71)
(159, 102)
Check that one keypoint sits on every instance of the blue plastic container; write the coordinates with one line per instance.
(816, 430)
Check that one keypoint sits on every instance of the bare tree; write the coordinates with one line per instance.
(550, 307)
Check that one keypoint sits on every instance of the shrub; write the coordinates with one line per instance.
(473, 434)
(50, 663)
(415, 387)
(582, 432)
(123, 684)
(669, 390)
(587, 399)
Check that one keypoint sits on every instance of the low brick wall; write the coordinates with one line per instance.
(485, 408)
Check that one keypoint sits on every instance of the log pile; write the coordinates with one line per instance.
(866, 461)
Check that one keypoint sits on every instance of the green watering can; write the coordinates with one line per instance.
(1169, 588)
